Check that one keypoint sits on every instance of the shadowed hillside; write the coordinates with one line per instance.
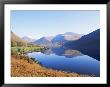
(88, 44)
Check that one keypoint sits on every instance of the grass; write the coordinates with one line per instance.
(22, 66)
(23, 50)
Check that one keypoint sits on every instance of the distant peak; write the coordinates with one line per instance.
(27, 37)
(69, 33)
(72, 33)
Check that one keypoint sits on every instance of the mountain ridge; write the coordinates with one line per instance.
(88, 44)
(58, 39)
(28, 39)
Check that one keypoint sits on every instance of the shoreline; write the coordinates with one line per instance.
(22, 66)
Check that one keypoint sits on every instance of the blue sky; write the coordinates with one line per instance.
(36, 24)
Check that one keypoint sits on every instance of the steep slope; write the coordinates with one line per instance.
(68, 36)
(45, 41)
(58, 39)
(16, 40)
(88, 44)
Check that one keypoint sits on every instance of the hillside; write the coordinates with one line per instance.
(58, 39)
(16, 40)
(68, 36)
(23, 67)
(88, 44)
(45, 41)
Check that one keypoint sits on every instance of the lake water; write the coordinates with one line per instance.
(69, 60)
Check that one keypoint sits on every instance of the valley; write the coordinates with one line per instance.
(56, 55)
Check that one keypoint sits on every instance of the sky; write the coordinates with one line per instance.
(36, 24)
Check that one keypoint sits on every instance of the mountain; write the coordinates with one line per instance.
(68, 36)
(88, 44)
(71, 33)
(16, 40)
(58, 39)
(27, 39)
(45, 41)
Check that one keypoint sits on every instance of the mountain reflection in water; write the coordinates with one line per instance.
(67, 60)
(62, 52)
(69, 53)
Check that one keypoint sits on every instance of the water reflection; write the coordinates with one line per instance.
(68, 60)
(72, 53)
(69, 53)
(80, 64)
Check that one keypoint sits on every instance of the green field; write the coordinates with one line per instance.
(23, 50)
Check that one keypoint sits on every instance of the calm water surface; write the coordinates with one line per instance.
(69, 61)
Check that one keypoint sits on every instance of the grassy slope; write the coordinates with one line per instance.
(21, 67)
(16, 38)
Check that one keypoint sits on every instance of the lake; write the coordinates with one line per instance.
(67, 60)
